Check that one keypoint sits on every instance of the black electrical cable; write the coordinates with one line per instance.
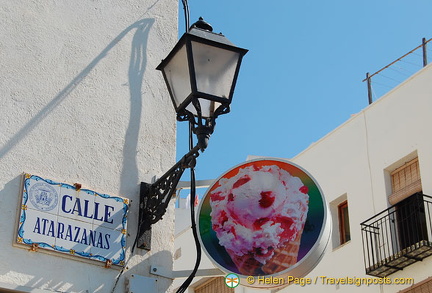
(189, 280)
(186, 12)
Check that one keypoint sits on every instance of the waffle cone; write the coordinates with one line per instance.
(246, 264)
(283, 257)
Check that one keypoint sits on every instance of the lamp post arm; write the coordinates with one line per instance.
(155, 197)
(165, 187)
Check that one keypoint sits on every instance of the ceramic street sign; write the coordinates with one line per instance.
(79, 222)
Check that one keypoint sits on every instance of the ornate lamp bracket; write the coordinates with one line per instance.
(154, 198)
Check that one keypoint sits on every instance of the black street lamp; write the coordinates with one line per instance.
(200, 72)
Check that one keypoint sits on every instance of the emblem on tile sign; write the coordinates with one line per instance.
(43, 196)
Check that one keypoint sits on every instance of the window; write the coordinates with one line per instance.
(405, 181)
(407, 198)
(344, 228)
(411, 220)
(340, 221)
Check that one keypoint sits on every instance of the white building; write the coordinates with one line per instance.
(370, 164)
(81, 102)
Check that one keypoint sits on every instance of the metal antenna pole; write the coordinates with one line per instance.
(369, 87)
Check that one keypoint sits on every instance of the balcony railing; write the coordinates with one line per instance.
(398, 236)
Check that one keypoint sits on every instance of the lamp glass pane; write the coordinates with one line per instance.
(214, 69)
(177, 75)
(207, 108)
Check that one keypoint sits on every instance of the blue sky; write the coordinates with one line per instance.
(302, 76)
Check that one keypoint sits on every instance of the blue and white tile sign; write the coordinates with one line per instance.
(80, 222)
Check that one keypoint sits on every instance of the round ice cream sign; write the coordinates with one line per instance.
(264, 218)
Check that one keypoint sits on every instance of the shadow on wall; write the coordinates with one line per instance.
(137, 65)
(9, 195)
(63, 94)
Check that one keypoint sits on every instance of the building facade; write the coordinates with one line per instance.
(374, 171)
(82, 103)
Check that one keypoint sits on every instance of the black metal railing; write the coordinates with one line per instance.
(398, 236)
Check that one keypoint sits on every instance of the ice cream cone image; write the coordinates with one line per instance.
(246, 264)
(283, 257)
(258, 216)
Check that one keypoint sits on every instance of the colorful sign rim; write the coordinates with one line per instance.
(314, 239)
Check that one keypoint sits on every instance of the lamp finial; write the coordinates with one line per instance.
(202, 24)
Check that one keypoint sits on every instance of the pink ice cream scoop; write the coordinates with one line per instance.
(257, 211)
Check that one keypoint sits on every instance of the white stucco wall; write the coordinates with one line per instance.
(81, 101)
(353, 162)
